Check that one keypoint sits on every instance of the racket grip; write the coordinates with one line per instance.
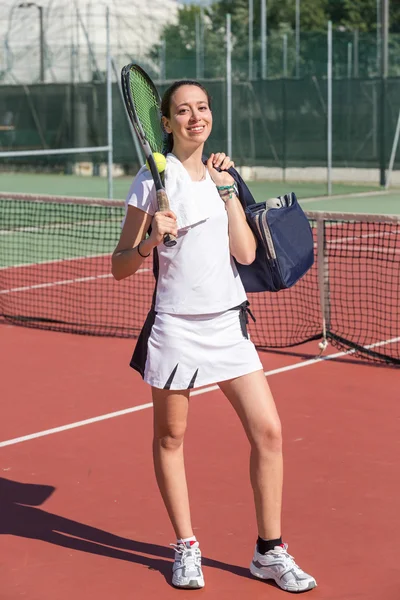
(169, 240)
(163, 204)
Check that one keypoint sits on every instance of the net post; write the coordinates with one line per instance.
(323, 280)
(229, 83)
(109, 110)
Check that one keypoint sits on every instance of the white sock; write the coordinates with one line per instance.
(184, 540)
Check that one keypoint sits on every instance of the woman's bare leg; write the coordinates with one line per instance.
(170, 417)
(252, 400)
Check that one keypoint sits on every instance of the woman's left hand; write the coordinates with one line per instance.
(222, 161)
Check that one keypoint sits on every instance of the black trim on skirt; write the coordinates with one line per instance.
(244, 312)
(139, 357)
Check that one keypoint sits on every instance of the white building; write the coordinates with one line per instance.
(74, 36)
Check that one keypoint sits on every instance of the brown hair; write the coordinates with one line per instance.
(166, 103)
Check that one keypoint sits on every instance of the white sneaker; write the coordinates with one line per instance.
(279, 565)
(186, 570)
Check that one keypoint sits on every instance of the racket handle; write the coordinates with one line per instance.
(163, 204)
(169, 240)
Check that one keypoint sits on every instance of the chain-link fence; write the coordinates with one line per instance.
(277, 123)
(279, 90)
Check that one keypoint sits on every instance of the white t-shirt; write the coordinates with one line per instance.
(198, 274)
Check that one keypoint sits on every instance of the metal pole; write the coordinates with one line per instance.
(385, 38)
(41, 43)
(201, 42)
(77, 57)
(197, 26)
(349, 104)
(349, 59)
(378, 35)
(393, 153)
(138, 148)
(162, 61)
(384, 74)
(229, 83)
(41, 34)
(356, 53)
(284, 50)
(297, 38)
(329, 110)
(251, 18)
(263, 39)
(109, 109)
(284, 129)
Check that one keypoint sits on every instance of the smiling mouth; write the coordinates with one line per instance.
(197, 129)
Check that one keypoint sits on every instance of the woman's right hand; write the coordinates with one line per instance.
(163, 222)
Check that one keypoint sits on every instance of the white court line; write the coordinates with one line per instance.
(364, 236)
(56, 260)
(198, 392)
(44, 228)
(375, 249)
(38, 286)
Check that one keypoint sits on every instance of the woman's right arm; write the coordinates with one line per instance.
(126, 260)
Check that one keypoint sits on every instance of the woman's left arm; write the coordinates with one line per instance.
(242, 242)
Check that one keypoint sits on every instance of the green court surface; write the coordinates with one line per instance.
(40, 247)
(374, 203)
(345, 197)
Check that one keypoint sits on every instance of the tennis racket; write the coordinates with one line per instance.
(142, 103)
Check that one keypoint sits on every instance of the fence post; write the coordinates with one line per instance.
(384, 74)
(109, 111)
(329, 110)
(229, 84)
(263, 39)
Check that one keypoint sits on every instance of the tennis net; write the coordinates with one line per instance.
(55, 274)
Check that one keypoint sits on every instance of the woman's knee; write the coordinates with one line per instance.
(170, 438)
(170, 410)
(268, 436)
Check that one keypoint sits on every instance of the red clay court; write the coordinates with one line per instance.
(81, 513)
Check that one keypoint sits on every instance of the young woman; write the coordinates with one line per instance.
(195, 333)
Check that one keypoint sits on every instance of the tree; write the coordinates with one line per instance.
(347, 16)
(179, 39)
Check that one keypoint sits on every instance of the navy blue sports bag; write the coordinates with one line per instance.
(289, 252)
(284, 238)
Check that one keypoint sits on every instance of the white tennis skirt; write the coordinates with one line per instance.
(179, 352)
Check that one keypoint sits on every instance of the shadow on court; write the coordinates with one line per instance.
(20, 516)
(346, 359)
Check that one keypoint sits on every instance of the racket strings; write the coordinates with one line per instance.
(148, 110)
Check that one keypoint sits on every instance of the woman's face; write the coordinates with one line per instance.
(190, 119)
